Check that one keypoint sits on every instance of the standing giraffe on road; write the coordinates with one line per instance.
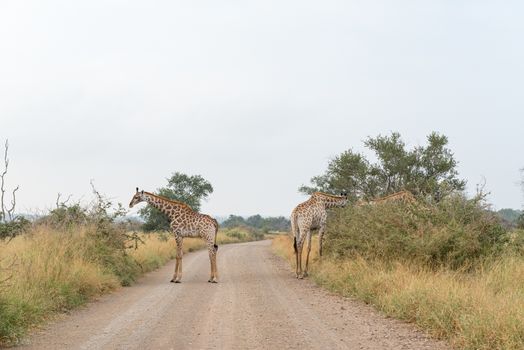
(184, 222)
(310, 215)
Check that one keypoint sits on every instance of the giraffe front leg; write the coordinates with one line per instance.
(321, 238)
(177, 276)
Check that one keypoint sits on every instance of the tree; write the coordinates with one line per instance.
(258, 222)
(234, 221)
(181, 187)
(509, 215)
(348, 172)
(427, 171)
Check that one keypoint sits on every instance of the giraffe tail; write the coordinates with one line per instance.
(216, 233)
(294, 230)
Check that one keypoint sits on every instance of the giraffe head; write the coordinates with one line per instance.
(137, 198)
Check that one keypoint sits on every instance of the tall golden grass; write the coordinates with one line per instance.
(483, 309)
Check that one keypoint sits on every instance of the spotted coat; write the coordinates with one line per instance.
(184, 222)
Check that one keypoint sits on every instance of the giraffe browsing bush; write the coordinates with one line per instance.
(311, 215)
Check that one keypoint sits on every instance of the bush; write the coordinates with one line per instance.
(235, 233)
(456, 232)
(520, 221)
(14, 227)
(239, 234)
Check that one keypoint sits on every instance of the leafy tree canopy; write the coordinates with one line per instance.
(190, 189)
(428, 170)
(278, 223)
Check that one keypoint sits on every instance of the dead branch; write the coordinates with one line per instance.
(135, 238)
(2, 181)
(6, 213)
(13, 204)
(62, 203)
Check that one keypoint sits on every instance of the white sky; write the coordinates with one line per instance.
(256, 96)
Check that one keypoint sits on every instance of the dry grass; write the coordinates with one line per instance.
(483, 309)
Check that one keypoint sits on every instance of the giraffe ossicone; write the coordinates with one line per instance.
(184, 222)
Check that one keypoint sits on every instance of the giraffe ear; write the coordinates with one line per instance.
(137, 189)
(142, 191)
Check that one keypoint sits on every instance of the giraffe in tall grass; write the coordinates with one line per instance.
(184, 222)
(310, 215)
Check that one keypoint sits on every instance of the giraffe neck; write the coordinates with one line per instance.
(329, 201)
(168, 208)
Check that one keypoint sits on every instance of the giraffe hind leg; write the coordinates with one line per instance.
(177, 276)
(300, 274)
(212, 262)
(215, 273)
(179, 272)
(215, 262)
(307, 255)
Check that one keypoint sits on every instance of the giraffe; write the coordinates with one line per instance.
(185, 222)
(310, 215)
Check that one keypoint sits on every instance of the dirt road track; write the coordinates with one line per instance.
(256, 305)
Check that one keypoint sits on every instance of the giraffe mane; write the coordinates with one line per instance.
(169, 200)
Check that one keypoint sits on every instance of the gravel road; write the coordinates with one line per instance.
(257, 304)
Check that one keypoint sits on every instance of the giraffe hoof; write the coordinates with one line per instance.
(172, 281)
(305, 274)
(178, 281)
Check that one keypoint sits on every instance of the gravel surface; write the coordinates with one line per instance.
(257, 304)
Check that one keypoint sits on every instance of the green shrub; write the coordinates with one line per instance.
(14, 227)
(244, 233)
(455, 232)
(236, 233)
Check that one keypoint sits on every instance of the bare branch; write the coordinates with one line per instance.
(2, 181)
(62, 203)
(13, 204)
(58, 200)
(6, 213)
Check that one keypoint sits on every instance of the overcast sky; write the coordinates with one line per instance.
(256, 96)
